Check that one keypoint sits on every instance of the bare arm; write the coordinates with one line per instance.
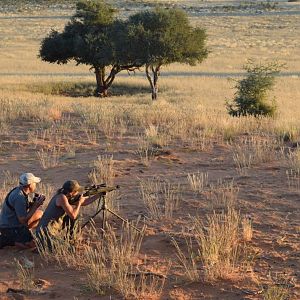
(71, 211)
(31, 211)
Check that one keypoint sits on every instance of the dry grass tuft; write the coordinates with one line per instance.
(49, 158)
(60, 246)
(293, 179)
(92, 135)
(247, 229)
(10, 181)
(214, 249)
(255, 150)
(223, 194)
(103, 170)
(242, 159)
(189, 262)
(293, 159)
(276, 292)
(161, 198)
(145, 151)
(218, 243)
(156, 136)
(198, 181)
(110, 265)
(25, 274)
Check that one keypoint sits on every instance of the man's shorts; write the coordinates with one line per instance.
(10, 236)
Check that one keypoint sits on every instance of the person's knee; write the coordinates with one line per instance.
(34, 220)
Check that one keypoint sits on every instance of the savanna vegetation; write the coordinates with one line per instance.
(209, 173)
(151, 39)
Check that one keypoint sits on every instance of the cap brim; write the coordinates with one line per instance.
(37, 179)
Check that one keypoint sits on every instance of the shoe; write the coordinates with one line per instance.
(4, 241)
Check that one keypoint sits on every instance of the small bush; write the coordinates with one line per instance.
(251, 97)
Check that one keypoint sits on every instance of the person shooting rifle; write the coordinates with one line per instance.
(65, 205)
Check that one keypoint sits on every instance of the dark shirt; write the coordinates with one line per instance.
(52, 213)
(18, 200)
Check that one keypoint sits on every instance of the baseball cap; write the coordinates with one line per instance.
(28, 178)
(72, 186)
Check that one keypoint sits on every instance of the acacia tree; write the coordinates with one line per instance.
(161, 37)
(90, 38)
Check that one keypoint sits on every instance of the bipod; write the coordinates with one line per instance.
(103, 207)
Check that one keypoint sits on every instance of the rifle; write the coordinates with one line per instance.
(95, 189)
(101, 190)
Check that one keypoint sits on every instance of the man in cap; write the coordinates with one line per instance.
(18, 216)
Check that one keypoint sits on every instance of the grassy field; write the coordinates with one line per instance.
(216, 197)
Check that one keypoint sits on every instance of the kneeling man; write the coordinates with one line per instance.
(18, 216)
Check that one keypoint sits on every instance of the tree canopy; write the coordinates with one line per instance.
(90, 39)
(161, 37)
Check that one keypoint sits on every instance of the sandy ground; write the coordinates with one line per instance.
(263, 195)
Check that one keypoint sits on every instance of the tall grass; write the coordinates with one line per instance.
(155, 136)
(49, 158)
(293, 159)
(243, 160)
(222, 195)
(161, 198)
(145, 151)
(110, 265)
(218, 242)
(198, 181)
(189, 261)
(25, 273)
(9, 182)
(58, 245)
(276, 293)
(214, 249)
(103, 170)
(247, 228)
(293, 179)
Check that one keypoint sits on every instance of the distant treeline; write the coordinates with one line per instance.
(35, 2)
(9, 6)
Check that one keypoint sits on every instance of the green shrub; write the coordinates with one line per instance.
(251, 97)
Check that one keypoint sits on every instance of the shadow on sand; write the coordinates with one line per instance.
(86, 89)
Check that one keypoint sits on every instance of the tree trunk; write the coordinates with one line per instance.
(101, 89)
(154, 93)
(153, 80)
(103, 84)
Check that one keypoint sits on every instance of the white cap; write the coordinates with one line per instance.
(28, 178)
